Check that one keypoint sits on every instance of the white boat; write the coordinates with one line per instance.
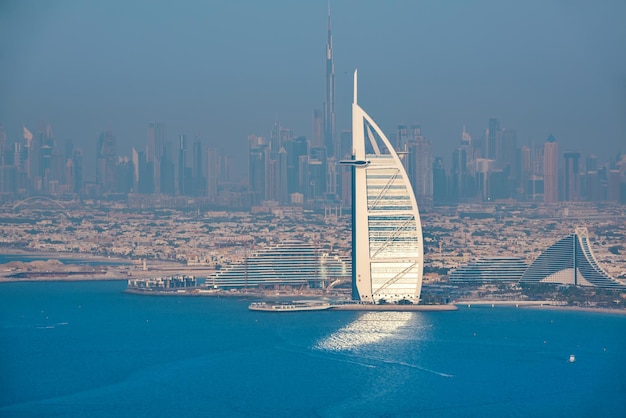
(572, 358)
(294, 306)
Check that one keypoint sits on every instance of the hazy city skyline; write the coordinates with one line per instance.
(223, 70)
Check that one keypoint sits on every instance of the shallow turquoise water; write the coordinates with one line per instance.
(88, 349)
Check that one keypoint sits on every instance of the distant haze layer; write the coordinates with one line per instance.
(221, 70)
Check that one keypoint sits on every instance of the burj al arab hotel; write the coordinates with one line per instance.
(387, 245)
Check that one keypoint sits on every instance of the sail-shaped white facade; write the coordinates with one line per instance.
(387, 246)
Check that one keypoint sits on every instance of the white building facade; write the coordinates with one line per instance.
(387, 244)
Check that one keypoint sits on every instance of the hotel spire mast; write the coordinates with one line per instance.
(329, 106)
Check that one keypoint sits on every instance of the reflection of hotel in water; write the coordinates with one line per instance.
(292, 263)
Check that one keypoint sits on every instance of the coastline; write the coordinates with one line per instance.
(66, 256)
(115, 268)
(579, 309)
(537, 304)
(394, 308)
(122, 272)
(72, 278)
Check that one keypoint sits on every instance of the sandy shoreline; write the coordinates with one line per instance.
(117, 268)
(393, 308)
(65, 256)
(578, 309)
(119, 274)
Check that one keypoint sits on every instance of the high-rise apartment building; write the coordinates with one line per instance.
(317, 173)
(154, 152)
(257, 168)
(440, 185)
(493, 139)
(184, 170)
(346, 144)
(417, 160)
(550, 170)
(106, 162)
(77, 161)
(508, 154)
(571, 192)
(614, 185)
(197, 177)
(212, 175)
(167, 172)
(3, 147)
(459, 176)
(297, 151)
(420, 168)
(282, 190)
(318, 129)
(593, 186)
(525, 169)
(329, 106)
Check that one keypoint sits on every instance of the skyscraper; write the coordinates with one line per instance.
(196, 169)
(182, 166)
(550, 171)
(106, 161)
(283, 195)
(459, 176)
(257, 169)
(493, 136)
(297, 151)
(571, 192)
(421, 156)
(212, 173)
(317, 173)
(346, 144)
(329, 106)
(318, 129)
(524, 169)
(154, 152)
(387, 253)
(167, 172)
(3, 147)
(137, 165)
(77, 161)
(508, 156)
(440, 187)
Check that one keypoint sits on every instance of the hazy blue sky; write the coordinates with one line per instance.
(225, 69)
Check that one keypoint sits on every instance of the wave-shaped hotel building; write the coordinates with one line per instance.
(570, 261)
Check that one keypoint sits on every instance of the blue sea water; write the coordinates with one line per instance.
(88, 349)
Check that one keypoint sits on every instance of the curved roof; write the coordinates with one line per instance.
(387, 232)
(570, 261)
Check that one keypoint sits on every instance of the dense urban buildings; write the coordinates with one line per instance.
(287, 168)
